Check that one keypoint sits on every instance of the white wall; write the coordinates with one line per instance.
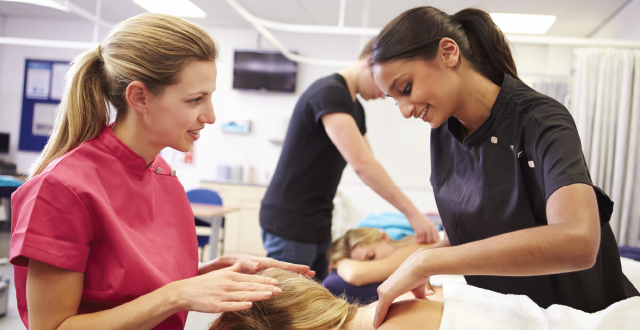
(625, 25)
(12, 65)
(401, 145)
(2, 22)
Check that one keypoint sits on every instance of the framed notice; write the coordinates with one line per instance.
(44, 83)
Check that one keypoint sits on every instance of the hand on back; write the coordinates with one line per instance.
(409, 277)
(426, 231)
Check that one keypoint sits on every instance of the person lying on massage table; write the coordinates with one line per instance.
(305, 305)
(367, 255)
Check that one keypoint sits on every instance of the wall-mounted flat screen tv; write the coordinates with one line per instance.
(4, 143)
(264, 71)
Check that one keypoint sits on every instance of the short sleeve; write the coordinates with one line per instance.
(557, 155)
(50, 224)
(330, 100)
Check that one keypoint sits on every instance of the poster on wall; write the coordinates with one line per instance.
(44, 116)
(44, 83)
(37, 80)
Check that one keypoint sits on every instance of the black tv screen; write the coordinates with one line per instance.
(264, 71)
(4, 143)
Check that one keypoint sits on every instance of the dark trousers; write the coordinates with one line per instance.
(313, 255)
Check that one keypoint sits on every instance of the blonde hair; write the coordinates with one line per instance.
(150, 48)
(304, 304)
(341, 248)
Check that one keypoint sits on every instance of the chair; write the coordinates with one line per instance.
(204, 196)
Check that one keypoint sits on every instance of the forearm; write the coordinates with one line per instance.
(541, 250)
(376, 177)
(144, 312)
(360, 273)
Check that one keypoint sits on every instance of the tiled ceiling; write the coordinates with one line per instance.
(576, 18)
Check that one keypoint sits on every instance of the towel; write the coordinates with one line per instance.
(395, 225)
(469, 307)
(9, 181)
(631, 269)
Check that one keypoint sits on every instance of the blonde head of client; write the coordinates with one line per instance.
(103, 234)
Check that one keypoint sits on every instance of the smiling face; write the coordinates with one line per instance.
(427, 90)
(423, 90)
(178, 114)
(374, 251)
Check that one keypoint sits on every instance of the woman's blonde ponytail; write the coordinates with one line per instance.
(82, 112)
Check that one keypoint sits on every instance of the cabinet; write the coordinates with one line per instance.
(241, 228)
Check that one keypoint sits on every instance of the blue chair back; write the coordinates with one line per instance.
(204, 196)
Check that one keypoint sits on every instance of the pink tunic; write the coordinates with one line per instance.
(100, 210)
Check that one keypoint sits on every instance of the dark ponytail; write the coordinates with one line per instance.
(417, 32)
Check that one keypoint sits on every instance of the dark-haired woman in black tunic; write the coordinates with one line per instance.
(510, 180)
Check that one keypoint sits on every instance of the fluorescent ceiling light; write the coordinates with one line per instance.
(45, 3)
(524, 24)
(182, 8)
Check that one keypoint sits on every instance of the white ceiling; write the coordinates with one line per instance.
(575, 18)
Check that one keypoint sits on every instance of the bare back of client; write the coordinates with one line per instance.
(413, 315)
(305, 305)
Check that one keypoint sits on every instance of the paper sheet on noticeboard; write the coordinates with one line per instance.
(38, 78)
(44, 115)
(58, 73)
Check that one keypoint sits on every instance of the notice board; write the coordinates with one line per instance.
(43, 88)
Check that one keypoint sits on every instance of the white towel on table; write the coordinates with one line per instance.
(469, 307)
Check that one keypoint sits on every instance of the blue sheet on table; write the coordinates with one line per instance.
(630, 252)
(363, 294)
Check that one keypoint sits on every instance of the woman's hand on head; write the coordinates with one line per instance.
(410, 276)
(252, 264)
(224, 290)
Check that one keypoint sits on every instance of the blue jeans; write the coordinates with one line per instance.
(313, 255)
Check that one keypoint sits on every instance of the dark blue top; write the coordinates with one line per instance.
(299, 200)
(498, 180)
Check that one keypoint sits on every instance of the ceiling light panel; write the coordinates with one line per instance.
(182, 8)
(45, 3)
(523, 24)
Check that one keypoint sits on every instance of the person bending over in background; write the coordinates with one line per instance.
(327, 131)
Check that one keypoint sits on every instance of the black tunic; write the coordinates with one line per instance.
(299, 201)
(498, 180)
